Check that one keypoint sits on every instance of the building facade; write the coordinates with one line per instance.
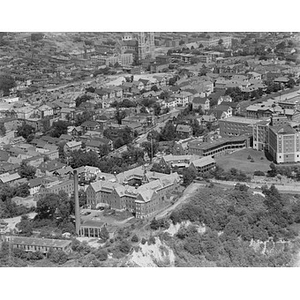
(235, 126)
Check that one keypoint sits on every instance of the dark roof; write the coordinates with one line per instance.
(66, 137)
(89, 124)
(4, 156)
(199, 100)
(51, 165)
(183, 128)
(35, 182)
(284, 129)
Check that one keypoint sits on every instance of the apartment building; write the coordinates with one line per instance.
(260, 135)
(235, 126)
(284, 143)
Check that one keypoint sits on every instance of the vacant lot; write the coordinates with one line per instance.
(240, 161)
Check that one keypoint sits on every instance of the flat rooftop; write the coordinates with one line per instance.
(240, 120)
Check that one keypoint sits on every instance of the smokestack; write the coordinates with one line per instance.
(77, 212)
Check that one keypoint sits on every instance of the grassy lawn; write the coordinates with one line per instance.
(239, 161)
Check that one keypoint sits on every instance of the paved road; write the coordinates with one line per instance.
(282, 188)
(12, 222)
(188, 192)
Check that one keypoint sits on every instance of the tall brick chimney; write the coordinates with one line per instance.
(77, 212)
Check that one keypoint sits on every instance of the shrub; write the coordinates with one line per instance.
(135, 239)
(151, 241)
(259, 173)
(143, 241)
(252, 160)
(124, 247)
(101, 254)
(249, 156)
(58, 257)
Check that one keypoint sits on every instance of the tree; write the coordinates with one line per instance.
(119, 142)
(78, 158)
(135, 239)
(2, 129)
(25, 226)
(59, 128)
(124, 246)
(189, 174)
(46, 206)
(168, 133)
(164, 95)
(154, 224)
(150, 148)
(82, 99)
(101, 254)
(6, 83)
(154, 88)
(104, 234)
(120, 115)
(104, 150)
(157, 109)
(154, 135)
(26, 131)
(81, 118)
(57, 256)
(26, 171)
(143, 110)
(22, 190)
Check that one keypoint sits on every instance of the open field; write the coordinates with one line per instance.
(239, 161)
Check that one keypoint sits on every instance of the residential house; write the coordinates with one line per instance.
(34, 185)
(49, 167)
(184, 131)
(95, 144)
(67, 114)
(45, 111)
(198, 102)
(9, 178)
(90, 126)
(74, 131)
(182, 99)
(222, 111)
(72, 146)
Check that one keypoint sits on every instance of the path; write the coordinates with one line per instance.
(12, 222)
(189, 191)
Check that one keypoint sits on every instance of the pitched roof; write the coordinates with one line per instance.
(199, 100)
(183, 128)
(204, 161)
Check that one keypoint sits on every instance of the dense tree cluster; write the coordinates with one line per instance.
(26, 131)
(58, 128)
(231, 175)
(9, 209)
(6, 83)
(134, 156)
(232, 219)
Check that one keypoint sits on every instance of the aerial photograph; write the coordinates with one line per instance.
(149, 149)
